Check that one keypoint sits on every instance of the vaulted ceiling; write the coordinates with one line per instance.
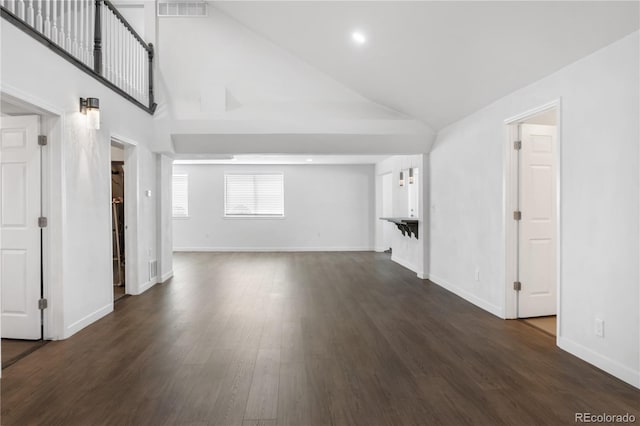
(437, 61)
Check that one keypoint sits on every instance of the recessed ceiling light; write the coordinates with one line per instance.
(358, 37)
(309, 160)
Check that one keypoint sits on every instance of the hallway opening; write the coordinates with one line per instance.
(118, 224)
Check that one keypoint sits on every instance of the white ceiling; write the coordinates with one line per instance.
(235, 92)
(437, 61)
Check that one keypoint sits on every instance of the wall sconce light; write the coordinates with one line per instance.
(91, 108)
(410, 176)
(401, 178)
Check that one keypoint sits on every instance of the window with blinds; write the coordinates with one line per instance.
(180, 202)
(254, 195)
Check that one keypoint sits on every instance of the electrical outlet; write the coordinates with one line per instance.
(477, 274)
(599, 327)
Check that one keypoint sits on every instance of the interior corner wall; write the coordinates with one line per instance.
(165, 220)
(83, 280)
(599, 204)
(407, 251)
(147, 220)
(327, 208)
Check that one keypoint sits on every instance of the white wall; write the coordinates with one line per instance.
(409, 252)
(79, 258)
(327, 207)
(599, 134)
(117, 153)
(165, 222)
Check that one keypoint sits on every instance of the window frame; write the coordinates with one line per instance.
(173, 215)
(251, 216)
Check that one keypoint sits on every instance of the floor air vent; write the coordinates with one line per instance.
(182, 8)
(153, 269)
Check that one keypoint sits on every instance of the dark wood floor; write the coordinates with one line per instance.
(14, 349)
(304, 339)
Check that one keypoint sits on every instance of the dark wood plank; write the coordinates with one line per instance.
(262, 402)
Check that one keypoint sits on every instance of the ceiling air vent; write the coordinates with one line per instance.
(182, 8)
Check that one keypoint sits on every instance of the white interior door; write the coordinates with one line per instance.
(537, 227)
(20, 209)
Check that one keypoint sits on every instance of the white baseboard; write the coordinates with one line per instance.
(87, 320)
(495, 310)
(612, 367)
(145, 286)
(166, 276)
(409, 266)
(268, 249)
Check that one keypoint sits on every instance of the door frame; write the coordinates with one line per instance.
(52, 126)
(131, 213)
(510, 191)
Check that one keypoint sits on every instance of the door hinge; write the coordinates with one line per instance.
(517, 145)
(517, 215)
(42, 304)
(42, 140)
(42, 222)
(517, 285)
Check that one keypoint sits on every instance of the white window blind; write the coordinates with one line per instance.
(254, 195)
(180, 196)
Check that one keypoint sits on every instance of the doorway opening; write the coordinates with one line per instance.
(118, 224)
(533, 238)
